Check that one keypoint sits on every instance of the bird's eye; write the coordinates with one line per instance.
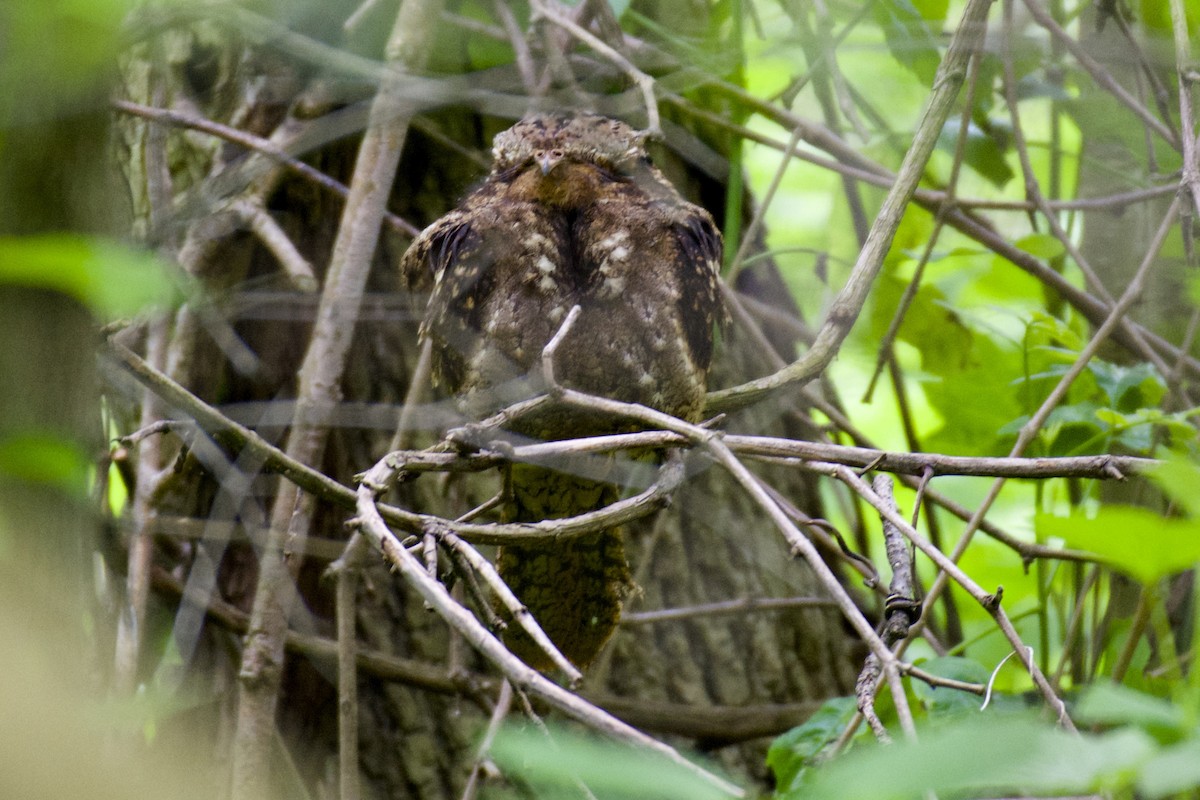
(556, 153)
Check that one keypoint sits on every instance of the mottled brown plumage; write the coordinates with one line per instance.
(573, 212)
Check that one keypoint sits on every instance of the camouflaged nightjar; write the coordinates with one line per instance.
(572, 213)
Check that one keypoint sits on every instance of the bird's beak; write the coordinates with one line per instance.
(547, 161)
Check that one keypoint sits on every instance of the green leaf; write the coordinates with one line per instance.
(984, 755)
(1179, 478)
(110, 278)
(1038, 85)
(1173, 770)
(1135, 540)
(909, 39)
(57, 55)
(611, 771)
(932, 11)
(1112, 704)
(981, 152)
(45, 458)
(967, 369)
(792, 753)
(1129, 388)
(1042, 245)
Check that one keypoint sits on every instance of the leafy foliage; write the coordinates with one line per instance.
(558, 762)
(110, 278)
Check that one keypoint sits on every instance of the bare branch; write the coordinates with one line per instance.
(505, 595)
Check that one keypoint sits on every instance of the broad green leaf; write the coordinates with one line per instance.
(45, 458)
(932, 11)
(110, 278)
(1069, 430)
(1050, 332)
(1036, 84)
(1129, 388)
(611, 771)
(909, 39)
(792, 753)
(1135, 540)
(1179, 478)
(1112, 704)
(973, 397)
(57, 55)
(982, 152)
(1173, 770)
(916, 226)
(1042, 245)
(986, 755)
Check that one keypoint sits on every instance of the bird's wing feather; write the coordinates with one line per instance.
(449, 254)
(700, 303)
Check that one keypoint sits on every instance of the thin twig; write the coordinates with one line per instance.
(295, 266)
(552, 346)
(503, 704)
(886, 345)
(725, 607)
(256, 144)
(132, 624)
(900, 610)
(346, 575)
(505, 595)
(643, 81)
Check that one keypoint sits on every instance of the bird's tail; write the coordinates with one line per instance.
(574, 588)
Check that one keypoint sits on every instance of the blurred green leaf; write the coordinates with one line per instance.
(973, 397)
(47, 459)
(1129, 387)
(932, 11)
(909, 39)
(611, 771)
(1179, 478)
(110, 278)
(56, 55)
(983, 153)
(1112, 704)
(1037, 84)
(1074, 429)
(1173, 770)
(1135, 540)
(1042, 245)
(792, 753)
(986, 755)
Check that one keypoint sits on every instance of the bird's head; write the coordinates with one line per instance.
(544, 141)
